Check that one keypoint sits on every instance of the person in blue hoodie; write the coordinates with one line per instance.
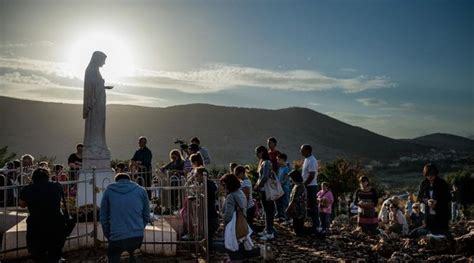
(124, 213)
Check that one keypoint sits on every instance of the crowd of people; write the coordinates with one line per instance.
(125, 206)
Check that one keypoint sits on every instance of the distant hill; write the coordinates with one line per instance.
(230, 133)
(445, 142)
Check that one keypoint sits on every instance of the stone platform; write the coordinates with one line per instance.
(161, 231)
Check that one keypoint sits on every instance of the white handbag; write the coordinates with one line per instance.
(273, 189)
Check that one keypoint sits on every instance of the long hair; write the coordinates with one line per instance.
(232, 183)
(263, 150)
(177, 153)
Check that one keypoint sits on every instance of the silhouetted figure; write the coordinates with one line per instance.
(434, 193)
(45, 232)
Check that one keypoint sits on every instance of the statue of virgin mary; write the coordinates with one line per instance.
(96, 153)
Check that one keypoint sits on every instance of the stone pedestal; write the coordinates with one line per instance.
(103, 177)
(161, 231)
(10, 218)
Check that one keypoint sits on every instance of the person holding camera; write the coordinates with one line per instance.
(202, 150)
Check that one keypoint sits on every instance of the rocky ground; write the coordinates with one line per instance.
(344, 244)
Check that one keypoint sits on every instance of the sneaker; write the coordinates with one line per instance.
(267, 237)
(185, 237)
(261, 234)
(286, 223)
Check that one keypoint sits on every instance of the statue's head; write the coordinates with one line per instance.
(98, 59)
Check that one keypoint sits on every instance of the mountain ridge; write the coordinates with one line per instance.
(230, 133)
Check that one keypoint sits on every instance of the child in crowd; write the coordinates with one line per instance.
(325, 201)
(397, 221)
(120, 168)
(417, 222)
(409, 204)
(282, 176)
(416, 217)
(297, 207)
(366, 199)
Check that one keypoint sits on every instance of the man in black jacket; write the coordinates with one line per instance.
(434, 193)
(142, 161)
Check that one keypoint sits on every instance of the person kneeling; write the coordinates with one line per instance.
(124, 213)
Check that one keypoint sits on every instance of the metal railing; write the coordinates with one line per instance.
(178, 212)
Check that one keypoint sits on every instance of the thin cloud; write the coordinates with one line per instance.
(17, 78)
(371, 102)
(314, 104)
(8, 45)
(46, 67)
(33, 87)
(219, 77)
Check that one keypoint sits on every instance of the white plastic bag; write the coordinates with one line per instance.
(230, 238)
(273, 189)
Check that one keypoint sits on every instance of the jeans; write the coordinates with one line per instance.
(312, 205)
(455, 211)
(325, 220)
(117, 247)
(282, 204)
(269, 209)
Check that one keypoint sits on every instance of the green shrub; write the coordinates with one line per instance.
(465, 182)
(5, 156)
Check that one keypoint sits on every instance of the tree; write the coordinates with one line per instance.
(464, 180)
(343, 177)
(5, 156)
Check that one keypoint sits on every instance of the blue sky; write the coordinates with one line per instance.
(398, 68)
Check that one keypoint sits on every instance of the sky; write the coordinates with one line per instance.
(401, 68)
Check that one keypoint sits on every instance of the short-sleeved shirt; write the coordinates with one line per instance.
(73, 158)
(310, 165)
(246, 183)
(283, 171)
(273, 158)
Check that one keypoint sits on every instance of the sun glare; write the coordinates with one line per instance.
(119, 61)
